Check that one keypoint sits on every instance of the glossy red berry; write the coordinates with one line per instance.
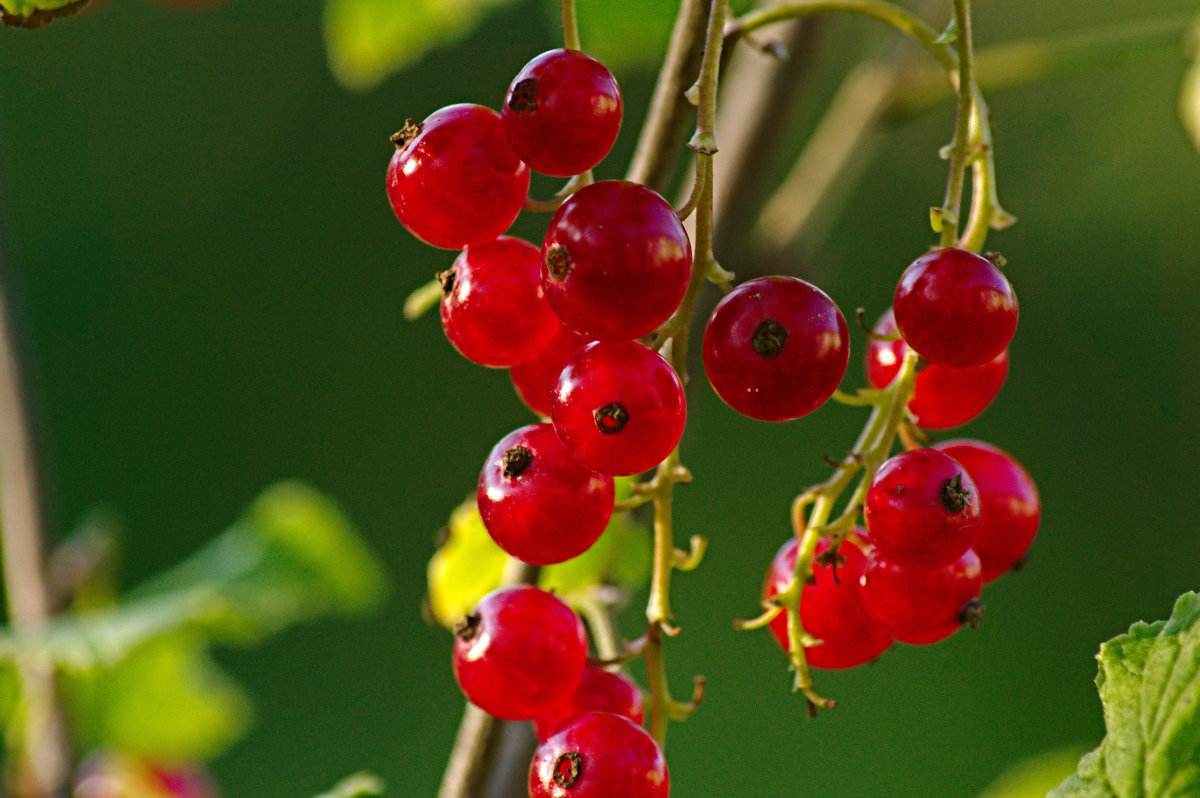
(616, 260)
(494, 309)
(776, 348)
(1008, 500)
(831, 608)
(453, 181)
(954, 307)
(534, 380)
(599, 755)
(922, 509)
(618, 407)
(944, 396)
(519, 652)
(599, 690)
(920, 606)
(537, 502)
(562, 112)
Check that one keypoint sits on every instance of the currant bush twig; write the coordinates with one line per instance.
(39, 759)
(946, 218)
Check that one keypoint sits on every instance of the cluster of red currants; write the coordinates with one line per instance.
(940, 521)
(565, 318)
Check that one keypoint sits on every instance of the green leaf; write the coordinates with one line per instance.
(1032, 778)
(36, 13)
(368, 40)
(1149, 683)
(166, 702)
(356, 786)
(469, 564)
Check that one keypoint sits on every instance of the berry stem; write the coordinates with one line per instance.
(570, 26)
(962, 124)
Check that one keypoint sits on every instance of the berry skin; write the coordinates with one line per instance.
(494, 309)
(598, 691)
(618, 407)
(1008, 500)
(534, 380)
(954, 307)
(453, 181)
(944, 396)
(922, 509)
(599, 755)
(616, 260)
(831, 608)
(520, 652)
(921, 606)
(776, 348)
(537, 502)
(562, 113)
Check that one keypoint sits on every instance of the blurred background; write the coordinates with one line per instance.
(210, 283)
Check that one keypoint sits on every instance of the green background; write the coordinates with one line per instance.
(211, 286)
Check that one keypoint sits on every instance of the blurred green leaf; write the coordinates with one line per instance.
(356, 786)
(1034, 777)
(469, 564)
(35, 13)
(367, 40)
(166, 701)
(1149, 683)
(1189, 91)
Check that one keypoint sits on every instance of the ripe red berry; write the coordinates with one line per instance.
(494, 309)
(537, 502)
(831, 608)
(776, 348)
(954, 307)
(944, 396)
(1008, 500)
(618, 407)
(616, 260)
(453, 181)
(534, 380)
(562, 113)
(922, 509)
(598, 691)
(599, 755)
(519, 652)
(920, 606)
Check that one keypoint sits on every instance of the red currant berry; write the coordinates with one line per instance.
(494, 309)
(831, 607)
(618, 407)
(537, 502)
(920, 606)
(922, 509)
(616, 260)
(598, 691)
(534, 380)
(599, 755)
(776, 348)
(519, 652)
(562, 113)
(955, 307)
(454, 182)
(944, 396)
(1008, 500)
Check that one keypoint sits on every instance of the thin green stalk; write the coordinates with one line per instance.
(570, 26)
(947, 219)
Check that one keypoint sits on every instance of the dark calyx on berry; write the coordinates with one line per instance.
(769, 338)
(558, 262)
(447, 279)
(468, 627)
(955, 497)
(611, 418)
(567, 768)
(524, 96)
(406, 134)
(516, 460)
(971, 613)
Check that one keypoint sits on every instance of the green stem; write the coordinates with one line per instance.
(899, 18)
(570, 26)
(962, 125)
